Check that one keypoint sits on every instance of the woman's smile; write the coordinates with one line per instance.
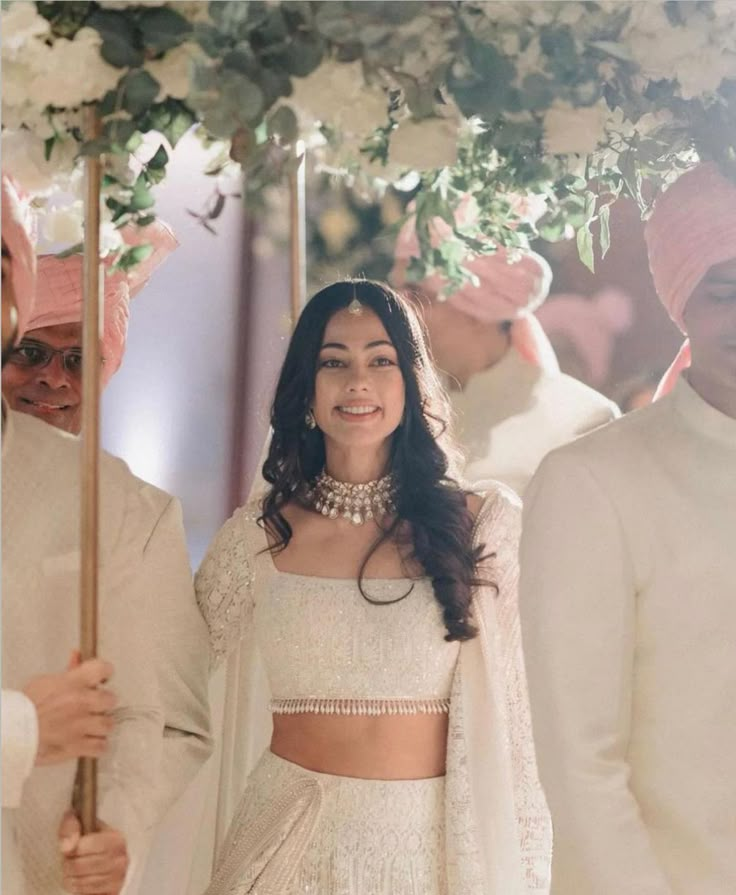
(358, 413)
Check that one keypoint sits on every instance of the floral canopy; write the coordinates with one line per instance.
(560, 107)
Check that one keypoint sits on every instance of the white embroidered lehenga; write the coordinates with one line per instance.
(483, 829)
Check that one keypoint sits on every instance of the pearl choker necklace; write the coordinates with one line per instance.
(358, 503)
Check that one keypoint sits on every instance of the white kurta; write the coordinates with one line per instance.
(628, 603)
(180, 638)
(511, 415)
(40, 628)
(182, 666)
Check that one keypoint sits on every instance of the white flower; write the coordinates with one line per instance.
(22, 23)
(336, 93)
(56, 78)
(529, 207)
(571, 13)
(425, 43)
(675, 52)
(124, 167)
(503, 11)
(696, 79)
(568, 129)
(64, 226)
(510, 43)
(193, 10)
(542, 13)
(126, 4)
(173, 70)
(23, 154)
(111, 239)
(424, 145)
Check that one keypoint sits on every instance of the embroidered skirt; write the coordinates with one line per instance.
(297, 832)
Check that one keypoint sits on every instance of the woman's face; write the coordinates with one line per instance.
(359, 388)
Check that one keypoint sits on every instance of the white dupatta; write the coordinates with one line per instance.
(499, 838)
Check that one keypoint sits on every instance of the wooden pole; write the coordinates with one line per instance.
(298, 237)
(86, 794)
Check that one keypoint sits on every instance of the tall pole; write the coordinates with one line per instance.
(86, 793)
(298, 234)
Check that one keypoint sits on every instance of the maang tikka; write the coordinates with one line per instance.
(355, 307)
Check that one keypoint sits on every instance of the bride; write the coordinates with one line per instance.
(382, 599)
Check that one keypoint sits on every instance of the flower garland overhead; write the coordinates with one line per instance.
(570, 104)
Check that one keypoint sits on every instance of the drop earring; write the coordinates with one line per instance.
(309, 421)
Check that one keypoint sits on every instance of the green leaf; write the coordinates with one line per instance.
(229, 15)
(212, 41)
(141, 197)
(120, 41)
(133, 256)
(283, 123)
(585, 247)
(145, 220)
(48, 147)
(558, 41)
(241, 59)
(604, 216)
(76, 249)
(172, 118)
(242, 96)
(159, 160)
(304, 54)
(139, 92)
(538, 92)
(273, 83)
(163, 28)
(272, 29)
(334, 21)
(590, 202)
(120, 130)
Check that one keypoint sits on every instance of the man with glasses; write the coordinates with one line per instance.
(43, 378)
(56, 709)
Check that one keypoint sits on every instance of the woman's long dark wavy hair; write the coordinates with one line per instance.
(429, 502)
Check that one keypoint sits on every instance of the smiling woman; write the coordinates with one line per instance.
(372, 586)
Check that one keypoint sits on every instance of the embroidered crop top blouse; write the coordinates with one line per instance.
(326, 649)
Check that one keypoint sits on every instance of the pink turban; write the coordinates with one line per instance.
(591, 324)
(509, 289)
(692, 228)
(17, 233)
(59, 290)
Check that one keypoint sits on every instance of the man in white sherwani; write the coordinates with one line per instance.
(628, 597)
(511, 402)
(39, 381)
(51, 716)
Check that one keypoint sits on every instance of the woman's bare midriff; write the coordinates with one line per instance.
(380, 747)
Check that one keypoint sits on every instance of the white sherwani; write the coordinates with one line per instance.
(182, 649)
(628, 604)
(147, 600)
(511, 415)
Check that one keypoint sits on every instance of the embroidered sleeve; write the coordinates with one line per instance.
(224, 585)
(499, 527)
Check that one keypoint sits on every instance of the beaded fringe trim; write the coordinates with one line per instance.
(322, 706)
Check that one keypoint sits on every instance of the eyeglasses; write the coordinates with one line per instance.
(37, 354)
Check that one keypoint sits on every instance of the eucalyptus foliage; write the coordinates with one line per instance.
(577, 102)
